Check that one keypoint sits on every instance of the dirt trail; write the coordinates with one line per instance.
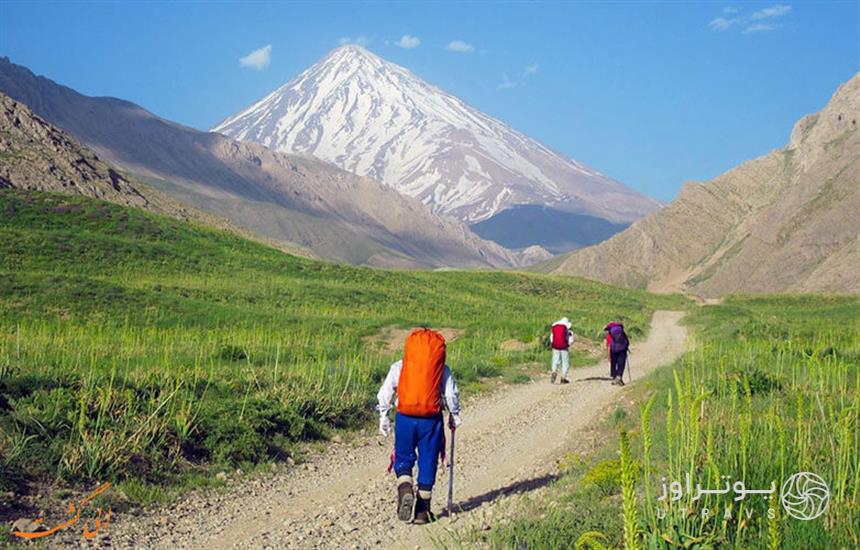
(508, 444)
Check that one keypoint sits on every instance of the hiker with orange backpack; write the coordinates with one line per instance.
(617, 345)
(421, 381)
(560, 339)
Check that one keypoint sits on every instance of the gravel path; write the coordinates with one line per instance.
(508, 444)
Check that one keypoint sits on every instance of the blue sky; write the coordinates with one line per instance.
(653, 94)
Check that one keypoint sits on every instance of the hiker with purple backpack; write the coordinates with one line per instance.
(617, 345)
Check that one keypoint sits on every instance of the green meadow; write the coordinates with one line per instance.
(771, 388)
(143, 350)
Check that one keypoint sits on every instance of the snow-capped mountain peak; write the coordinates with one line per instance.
(377, 119)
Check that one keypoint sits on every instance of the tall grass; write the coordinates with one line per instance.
(628, 495)
(138, 347)
(771, 389)
(777, 397)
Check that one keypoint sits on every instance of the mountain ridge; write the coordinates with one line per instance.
(785, 221)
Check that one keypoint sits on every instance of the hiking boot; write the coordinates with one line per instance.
(614, 380)
(423, 514)
(552, 377)
(405, 498)
(565, 381)
(620, 382)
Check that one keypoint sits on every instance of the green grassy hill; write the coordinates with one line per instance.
(140, 348)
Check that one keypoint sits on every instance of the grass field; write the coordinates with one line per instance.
(142, 350)
(772, 389)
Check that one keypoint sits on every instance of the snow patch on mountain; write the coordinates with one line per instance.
(377, 119)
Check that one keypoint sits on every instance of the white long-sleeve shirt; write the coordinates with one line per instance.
(388, 390)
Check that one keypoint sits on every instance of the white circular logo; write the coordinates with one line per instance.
(805, 496)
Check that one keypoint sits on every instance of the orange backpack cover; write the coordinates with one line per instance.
(419, 390)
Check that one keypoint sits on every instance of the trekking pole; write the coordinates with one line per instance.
(629, 370)
(451, 476)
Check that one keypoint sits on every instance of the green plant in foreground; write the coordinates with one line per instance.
(591, 540)
(605, 476)
(647, 442)
(628, 493)
(774, 535)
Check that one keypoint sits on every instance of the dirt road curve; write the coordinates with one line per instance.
(508, 443)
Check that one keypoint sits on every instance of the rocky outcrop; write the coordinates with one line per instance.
(36, 155)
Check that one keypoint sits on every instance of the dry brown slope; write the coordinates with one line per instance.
(282, 197)
(786, 221)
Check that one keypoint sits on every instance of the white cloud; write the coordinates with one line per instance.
(760, 27)
(531, 69)
(359, 40)
(749, 23)
(460, 46)
(777, 10)
(408, 41)
(722, 24)
(506, 83)
(258, 59)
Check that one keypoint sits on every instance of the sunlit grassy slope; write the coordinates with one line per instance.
(138, 347)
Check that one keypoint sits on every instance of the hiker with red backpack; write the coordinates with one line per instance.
(560, 339)
(617, 345)
(421, 381)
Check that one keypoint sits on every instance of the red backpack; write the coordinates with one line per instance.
(419, 390)
(559, 337)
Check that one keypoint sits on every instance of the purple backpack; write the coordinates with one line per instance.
(619, 338)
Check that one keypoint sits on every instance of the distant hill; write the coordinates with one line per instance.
(281, 197)
(557, 231)
(787, 221)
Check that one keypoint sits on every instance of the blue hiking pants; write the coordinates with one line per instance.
(427, 436)
(617, 362)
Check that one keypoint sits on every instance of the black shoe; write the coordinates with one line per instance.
(620, 382)
(423, 514)
(565, 381)
(405, 500)
(552, 377)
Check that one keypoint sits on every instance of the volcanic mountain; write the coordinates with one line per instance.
(286, 198)
(377, 119)
(787, 221)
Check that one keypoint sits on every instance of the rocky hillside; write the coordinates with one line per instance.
(787, 221)
(36, 155)
(377, 119)
(281, 197)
